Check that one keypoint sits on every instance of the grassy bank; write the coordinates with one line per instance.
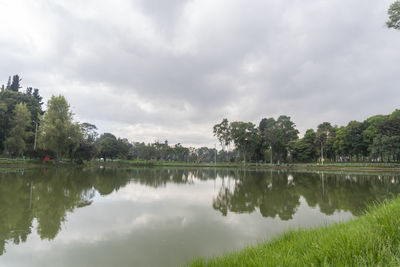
(370, 240)
(392, 167)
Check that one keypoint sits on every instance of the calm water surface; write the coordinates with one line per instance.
(165, 217)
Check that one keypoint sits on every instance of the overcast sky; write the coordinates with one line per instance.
(170, 69)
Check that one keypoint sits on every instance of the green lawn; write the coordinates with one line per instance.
(370, 240)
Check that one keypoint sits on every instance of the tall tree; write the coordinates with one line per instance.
(19, 133)
(58, 133)
(372, 127)
(267, 129)
(8, 87)
(223, 132)
(303, 150)
(324, 131)
(285, 132)
(29, 90)
(15, 85)
(246, 136)
(355, 139)
(37, 96)
(89, 132)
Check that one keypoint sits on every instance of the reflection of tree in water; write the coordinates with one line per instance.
(158, 177)
(271, 192)
(279, 198)
(278, 193)
(15, 219)
(333, 192)
(47, 195)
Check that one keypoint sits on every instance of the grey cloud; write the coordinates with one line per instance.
(184, 65)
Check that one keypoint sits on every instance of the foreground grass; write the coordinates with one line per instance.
(370, 240)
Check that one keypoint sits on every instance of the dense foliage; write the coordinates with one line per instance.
(10, 117)
(376, 139)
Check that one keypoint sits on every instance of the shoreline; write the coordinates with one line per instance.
(328, 167)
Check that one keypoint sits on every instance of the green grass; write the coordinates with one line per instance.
(350, 166)
(370, 240)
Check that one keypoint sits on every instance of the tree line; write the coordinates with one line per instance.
(28, 130)
(376, 139)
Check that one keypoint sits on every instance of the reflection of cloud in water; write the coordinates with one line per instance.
(201, 192)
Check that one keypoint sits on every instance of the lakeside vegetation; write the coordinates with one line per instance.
(370, 240)
(376, 139)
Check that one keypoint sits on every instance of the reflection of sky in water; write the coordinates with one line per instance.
(145, 226)
(165, 217)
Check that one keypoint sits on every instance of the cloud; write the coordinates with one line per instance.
(151, 70)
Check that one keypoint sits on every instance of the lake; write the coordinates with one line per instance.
(166, 217)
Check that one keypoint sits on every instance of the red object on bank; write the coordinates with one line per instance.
(46, 159)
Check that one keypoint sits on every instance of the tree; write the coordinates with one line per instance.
(37, 96)
(57, 132)
(390, 127)
(8, 100)
(15, 85)
(340, 145)
(372, 128)
(223, 132)
(324, 131)
(29, 91)
(385, 145)
(267, 129)
(277, 135)
(87, 148)
(394, 16)
(386, 148)
(355, 139)
(285, 132)
(303, 150)
(89, 132)
(74, 140)
(123, 147)
(181, 153)
(19, 133)
(107, 147)
(8, 87)
(245, 135)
